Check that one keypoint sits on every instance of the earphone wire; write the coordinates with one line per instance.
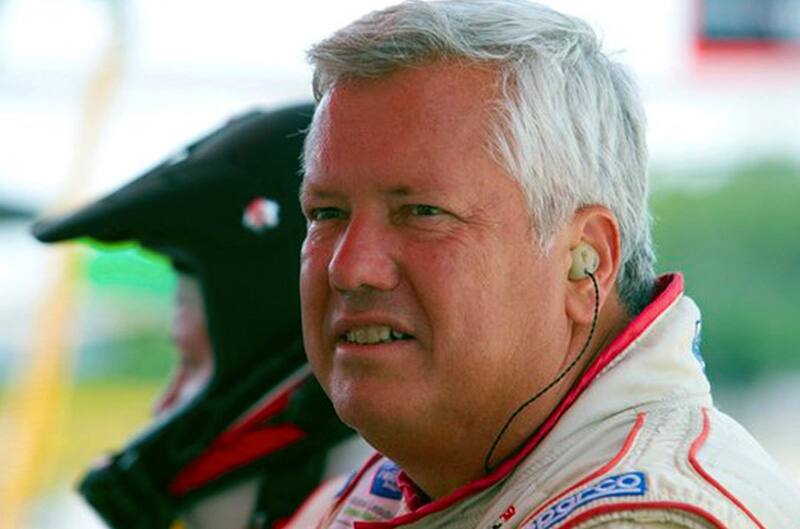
(486, 462)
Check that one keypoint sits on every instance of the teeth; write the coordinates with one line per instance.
(374, 334)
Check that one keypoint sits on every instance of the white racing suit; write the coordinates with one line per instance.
(636, 443)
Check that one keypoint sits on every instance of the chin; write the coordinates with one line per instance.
(368, 407)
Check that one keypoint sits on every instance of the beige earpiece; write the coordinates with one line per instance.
(584, 258)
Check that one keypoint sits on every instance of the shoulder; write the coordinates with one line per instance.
(726, 457)
(688, 466)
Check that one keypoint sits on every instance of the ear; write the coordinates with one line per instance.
(596, 226)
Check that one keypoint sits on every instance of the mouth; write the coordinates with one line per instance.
(373, 334)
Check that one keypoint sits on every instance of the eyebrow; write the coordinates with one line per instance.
(305, 191)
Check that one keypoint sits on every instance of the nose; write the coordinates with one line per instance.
(364, 257)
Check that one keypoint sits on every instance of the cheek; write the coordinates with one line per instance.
(453, 286)
(535, 308)
(314, 259)
(482, 301)
(313, 297)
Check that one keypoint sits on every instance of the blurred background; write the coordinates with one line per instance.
(94, 92)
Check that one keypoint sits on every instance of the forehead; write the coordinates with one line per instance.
(418, 122)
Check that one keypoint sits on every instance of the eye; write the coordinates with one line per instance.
(326, 213)
(424, 210)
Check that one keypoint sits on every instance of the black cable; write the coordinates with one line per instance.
(486, 466)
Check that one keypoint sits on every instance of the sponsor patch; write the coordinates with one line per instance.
(385, 482)
(630, 484)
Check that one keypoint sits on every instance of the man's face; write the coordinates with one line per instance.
(426, 303)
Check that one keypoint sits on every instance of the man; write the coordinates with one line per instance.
(478, 293)
(242, 434)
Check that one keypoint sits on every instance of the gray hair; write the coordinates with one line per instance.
(569, 125)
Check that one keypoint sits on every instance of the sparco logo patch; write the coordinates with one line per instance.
(630, 484)
(385, 482)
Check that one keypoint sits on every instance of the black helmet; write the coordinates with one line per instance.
(225, 209)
